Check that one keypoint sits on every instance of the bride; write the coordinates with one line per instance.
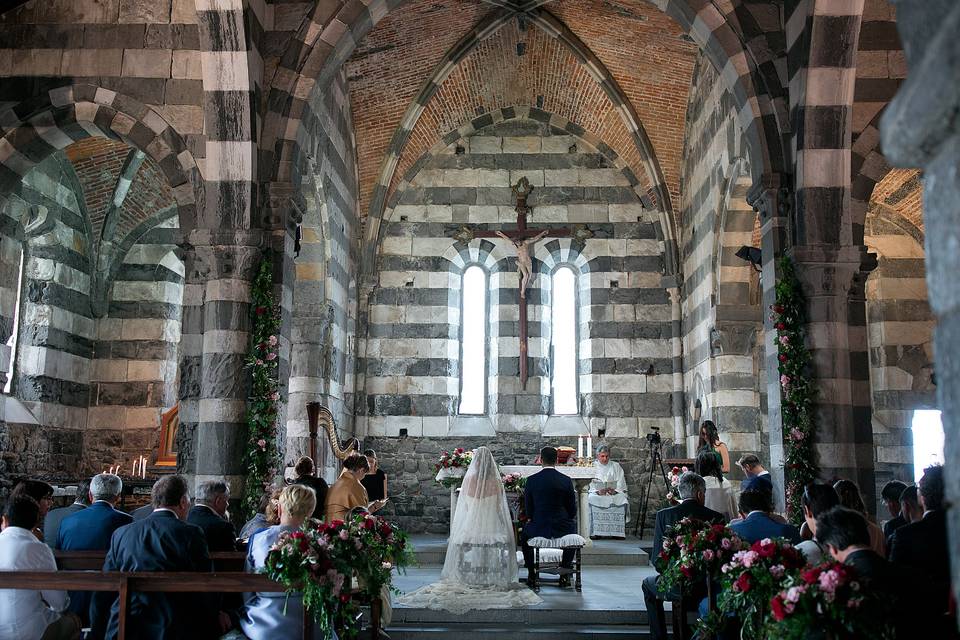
(480, 570)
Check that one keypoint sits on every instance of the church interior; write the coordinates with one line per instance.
(371, 177)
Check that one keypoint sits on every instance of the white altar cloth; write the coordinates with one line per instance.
(581, 476)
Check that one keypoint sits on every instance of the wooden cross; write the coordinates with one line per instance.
(523, 239)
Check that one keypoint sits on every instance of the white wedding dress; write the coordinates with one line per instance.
(480, 570)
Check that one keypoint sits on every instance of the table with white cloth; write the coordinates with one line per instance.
(608, 514)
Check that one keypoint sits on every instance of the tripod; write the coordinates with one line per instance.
(656, 461)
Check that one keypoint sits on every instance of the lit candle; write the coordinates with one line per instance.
(589, 446)
(143, 467)
(579, 447)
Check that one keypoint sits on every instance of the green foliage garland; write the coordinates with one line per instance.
(260, 454)
(797, 388)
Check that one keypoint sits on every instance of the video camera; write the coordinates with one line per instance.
(654, 438)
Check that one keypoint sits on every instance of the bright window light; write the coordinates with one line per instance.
(12, 341)
(473, 342)
(564, 343)
(927, 440)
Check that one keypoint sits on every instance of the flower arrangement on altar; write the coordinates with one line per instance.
(694, 551)
(673, 496)
(324, 561)
(451, 466)
(748, 582)
(513, 482)
(263, 359)
(828, 598)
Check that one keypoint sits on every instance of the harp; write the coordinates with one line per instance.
(317, 416)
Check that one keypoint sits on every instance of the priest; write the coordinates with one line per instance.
(608, 497)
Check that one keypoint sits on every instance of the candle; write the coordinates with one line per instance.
(589, 446)
(579, 447)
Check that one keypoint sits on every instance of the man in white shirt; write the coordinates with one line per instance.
(30, 615)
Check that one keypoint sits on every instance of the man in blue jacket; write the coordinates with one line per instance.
(755, 508)
(550, 502)
(92, 528)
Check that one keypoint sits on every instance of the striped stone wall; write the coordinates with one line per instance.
(722, 350)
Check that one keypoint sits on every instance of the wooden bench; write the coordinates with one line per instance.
(223, 561)
(157, 582)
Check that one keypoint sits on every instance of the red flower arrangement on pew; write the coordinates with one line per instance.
(694, 551)
(324, 561)
(828, 598)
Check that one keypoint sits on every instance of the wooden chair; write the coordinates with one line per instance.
(572, 541)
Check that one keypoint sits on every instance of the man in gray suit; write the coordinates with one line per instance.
(51, 524)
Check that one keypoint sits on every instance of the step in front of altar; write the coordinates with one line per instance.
(432, 550)
(509, 624)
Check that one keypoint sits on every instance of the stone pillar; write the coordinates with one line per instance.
(833, 282)
(920, 129)
(770, 197)
(225, 263)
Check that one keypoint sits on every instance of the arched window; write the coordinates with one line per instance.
(12, 340)
(563, 343)
(473, 341)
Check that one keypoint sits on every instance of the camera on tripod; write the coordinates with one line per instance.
(654, 438)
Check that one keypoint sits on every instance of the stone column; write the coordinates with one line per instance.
(920, 129)
(225, 263)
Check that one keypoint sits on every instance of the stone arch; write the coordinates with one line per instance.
(35, 128)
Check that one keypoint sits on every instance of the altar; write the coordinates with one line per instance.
(581, 477)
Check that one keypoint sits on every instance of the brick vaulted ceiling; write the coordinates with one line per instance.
(646, 53)
(901, 191)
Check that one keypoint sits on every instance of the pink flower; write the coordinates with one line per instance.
(829, 581)
(784, 380)
(272, 355)
(259, 362)
(262, 443)
(796, 434)
(784, 340)
(777, 571)
(344, 534)
(725, 543)
(272, 341)
(708, 554)
(275, 396)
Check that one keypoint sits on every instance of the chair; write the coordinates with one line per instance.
(572, 541)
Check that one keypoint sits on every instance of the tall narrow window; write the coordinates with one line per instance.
(927, 440)
(563, 345)
(473, 341)
(12, 341)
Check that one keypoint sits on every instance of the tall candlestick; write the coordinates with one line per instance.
(579, 447)
(589, 446)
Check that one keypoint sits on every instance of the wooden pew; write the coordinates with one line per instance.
(156, 582)
(93, 560)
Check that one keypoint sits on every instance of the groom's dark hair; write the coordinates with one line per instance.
(548, 455)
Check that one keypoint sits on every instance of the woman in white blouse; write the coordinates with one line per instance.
(720, 495)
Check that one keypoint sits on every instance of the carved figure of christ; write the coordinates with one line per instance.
(524, 262)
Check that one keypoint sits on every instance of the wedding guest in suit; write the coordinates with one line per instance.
(710, 441)
(209, 513)
(719, 489)
(141, 513)
(757, 524)
(51, 524)
(693, 492)
(817, 499)
(890, 494)
(161, 542)
(277, 615)
(922, 545)
(375, 482)
(92, 528)
(30, 615)
(42, 493)
(910, 506)
(850, 498)
(347, 493)
(757, 478)
(306, 475)
(551, 507)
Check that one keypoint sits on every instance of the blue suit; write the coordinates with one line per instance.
(758, 483)
(89, 530)
(758, 526)
(160, 542)
(550, 503)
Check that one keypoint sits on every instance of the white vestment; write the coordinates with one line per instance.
(608, 473)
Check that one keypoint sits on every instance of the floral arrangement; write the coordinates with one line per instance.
(829, 598)
(694, 551)
(260, 452)
(797, 388)
(321, 561)
(460, 459)
(673, 495)
(748, 581)
(514, 482)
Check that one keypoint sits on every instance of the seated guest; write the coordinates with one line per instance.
(757, 523)
(693, 492)
(277, 615)
(209, 513)
(910, 505)
(30, 615)
(140, 513)
(306, 475)
(757, 478)
(51, 524)
(922, 545)
(719, 489)
(92, 528)
(608, 494)
(347, 493)
(850, 498)
(42, 493)
(161, 542)
(817, 499)
(259, 520)
(375, 482)
(891, 499)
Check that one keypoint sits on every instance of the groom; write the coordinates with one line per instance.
(551, 507)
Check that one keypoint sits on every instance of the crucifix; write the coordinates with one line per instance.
(523, 238)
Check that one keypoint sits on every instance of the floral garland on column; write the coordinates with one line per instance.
(796, 386)
(260, 454)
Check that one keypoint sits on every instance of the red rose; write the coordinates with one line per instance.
(261, 310)
(779, 611)
(811, 575)
(686, 571)
(767, 550)
(777, 308)
(742, 583)
(345, 598)
(782, 357)
(780, 326)
(368, 524)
